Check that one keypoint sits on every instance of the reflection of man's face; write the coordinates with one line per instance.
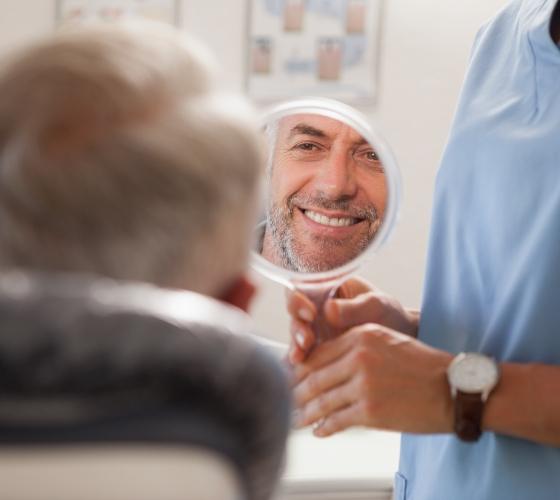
(327, 194)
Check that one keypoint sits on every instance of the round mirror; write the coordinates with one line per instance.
(331, 195)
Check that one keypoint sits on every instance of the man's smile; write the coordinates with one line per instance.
(327, 220)
(327, 223)
(316, 234)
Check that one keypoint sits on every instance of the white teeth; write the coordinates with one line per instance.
(329, 221)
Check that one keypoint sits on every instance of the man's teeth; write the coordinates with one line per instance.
(329, 221)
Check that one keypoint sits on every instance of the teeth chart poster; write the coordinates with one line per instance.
(71, 11)
(313, 47)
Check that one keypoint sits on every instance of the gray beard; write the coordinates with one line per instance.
(291, 257)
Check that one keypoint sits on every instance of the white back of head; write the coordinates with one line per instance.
(118, 157)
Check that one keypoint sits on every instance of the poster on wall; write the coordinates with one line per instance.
(71, 11)
(313, 47)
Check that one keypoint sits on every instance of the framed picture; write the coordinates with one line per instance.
(313, 47)
(71, 11)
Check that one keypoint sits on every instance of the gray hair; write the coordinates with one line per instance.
(119, 158)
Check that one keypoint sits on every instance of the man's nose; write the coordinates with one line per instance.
(336, 177)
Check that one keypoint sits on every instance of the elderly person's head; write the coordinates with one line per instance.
(118, 157)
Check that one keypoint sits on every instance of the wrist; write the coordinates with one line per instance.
(446, 406)
(434, 414)
(523, 404)
(472, 377)
(515, 379)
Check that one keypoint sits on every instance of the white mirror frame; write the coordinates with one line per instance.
(353, 118)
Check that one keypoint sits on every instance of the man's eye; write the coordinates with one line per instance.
(369, 155)
(307, 146)
(369, 159)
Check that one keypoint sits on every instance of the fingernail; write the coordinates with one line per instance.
(300, 339)
(320, 432)
(319, 428)
(305, 314)
(318, 425)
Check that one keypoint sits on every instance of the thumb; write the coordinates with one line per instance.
(346, 313)
(354, 287)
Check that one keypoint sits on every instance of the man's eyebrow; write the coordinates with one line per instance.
(304, 129)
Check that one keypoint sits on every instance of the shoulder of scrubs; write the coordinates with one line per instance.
(493, 272)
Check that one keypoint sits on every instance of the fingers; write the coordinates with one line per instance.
(303, 340)
(300, 307)
(323, 355)
(354, 287)
(345, 313)
(340, 420)
(359, 302)
(328, 391)
(303, 312)
(325, 404)
(333, 391)
(319, 382)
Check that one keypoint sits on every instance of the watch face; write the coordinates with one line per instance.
(473, 373)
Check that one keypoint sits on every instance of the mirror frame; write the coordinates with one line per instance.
(353, 118)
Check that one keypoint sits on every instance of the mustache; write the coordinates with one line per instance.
(369, 212)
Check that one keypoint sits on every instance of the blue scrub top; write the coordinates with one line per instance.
(493, 279)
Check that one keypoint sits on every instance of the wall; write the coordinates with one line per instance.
(425, 47)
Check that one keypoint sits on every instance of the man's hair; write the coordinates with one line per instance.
(119, 158)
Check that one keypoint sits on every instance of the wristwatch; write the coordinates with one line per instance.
(471, 377)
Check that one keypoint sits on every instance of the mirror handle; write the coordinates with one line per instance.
(319, 294)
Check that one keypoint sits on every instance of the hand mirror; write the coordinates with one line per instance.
(331, 194)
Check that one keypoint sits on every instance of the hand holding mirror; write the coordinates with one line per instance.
(332, 190)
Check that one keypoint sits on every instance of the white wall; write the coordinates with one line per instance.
(425, 46)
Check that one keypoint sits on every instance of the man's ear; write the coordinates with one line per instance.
(240, 293)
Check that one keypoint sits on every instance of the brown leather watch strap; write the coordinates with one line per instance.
(468, 416)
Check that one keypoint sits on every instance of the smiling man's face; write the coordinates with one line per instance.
(328, 194)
